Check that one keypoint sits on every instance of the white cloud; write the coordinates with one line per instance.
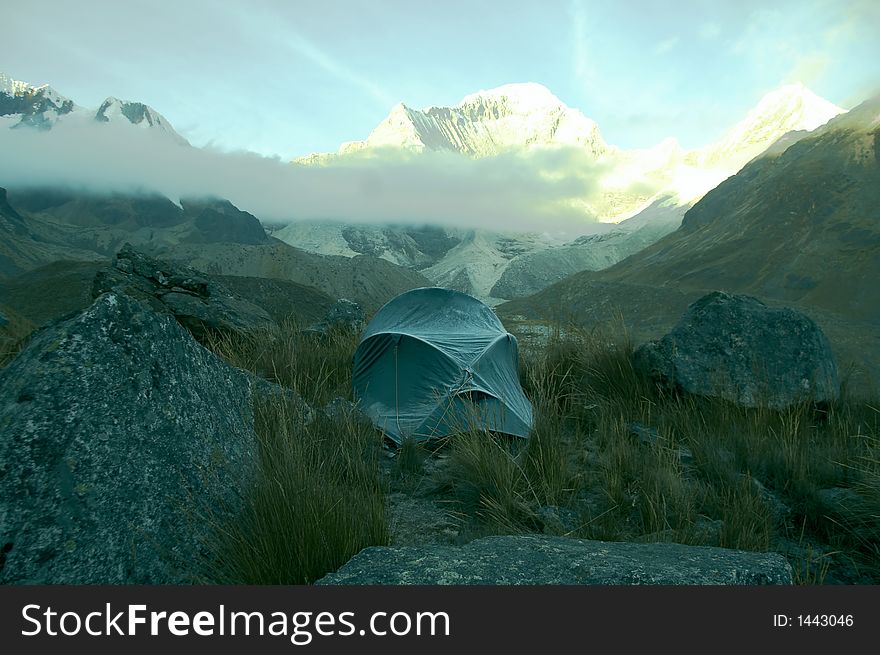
(271, 29)
(539, 190)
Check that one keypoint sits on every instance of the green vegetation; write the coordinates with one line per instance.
(319, 497)
(612, 457)
(316, 368)
(623, 461)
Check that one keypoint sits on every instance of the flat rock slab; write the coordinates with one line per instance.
(541, 560)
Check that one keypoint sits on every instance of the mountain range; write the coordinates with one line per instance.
(25, 105)
(41, 226)
(645, 192)
(524, 118)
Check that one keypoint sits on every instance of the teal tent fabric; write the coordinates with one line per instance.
(434, 362)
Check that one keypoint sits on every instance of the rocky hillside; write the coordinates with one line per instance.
(800, 227)
(534, 271)
(22, 247)
(491, 265)
(53, 241)
(102, 223)
(370, 281)
(411, 246)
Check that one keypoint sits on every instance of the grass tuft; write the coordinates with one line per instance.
(319, 497)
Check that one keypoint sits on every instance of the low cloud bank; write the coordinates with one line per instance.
(544, 189)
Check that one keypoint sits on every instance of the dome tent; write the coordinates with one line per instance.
(433, 362)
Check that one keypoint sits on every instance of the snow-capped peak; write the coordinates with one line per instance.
(509, 117)
(789, 108)
(796, 105)
(524, 98)
(137, 114)
(13, 87)
(42, 107)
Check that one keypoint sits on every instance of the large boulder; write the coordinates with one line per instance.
(197, 302)
(121, 441)
(737, 348)
(543, 560)
(344, 315)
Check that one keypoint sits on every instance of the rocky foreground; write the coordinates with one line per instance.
(123, 441)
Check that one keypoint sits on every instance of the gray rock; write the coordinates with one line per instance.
(705, 531)
(119, 433)
(343, 315)
(542, 560)
(735, 347)
(199, 304)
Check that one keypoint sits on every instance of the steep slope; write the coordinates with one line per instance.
(367, 280)
(798, 227)
(212, 235)
(22, 249)
(530, 272)
(803, 225)
(102, 223)
(139, 115)
(22, 104)
(411, 246)
(790, 108)
(478, 261)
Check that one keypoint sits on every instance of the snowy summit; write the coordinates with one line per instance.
(483, 124)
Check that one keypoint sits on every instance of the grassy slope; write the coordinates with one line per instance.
(801, 482)
(707, 473)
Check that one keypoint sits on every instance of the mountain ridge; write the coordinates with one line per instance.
(25, 105)
(519, 119)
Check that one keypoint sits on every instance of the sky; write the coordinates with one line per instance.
(288, 78)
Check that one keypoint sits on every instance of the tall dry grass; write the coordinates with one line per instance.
(636, 463)
(319, 497)
(614, 455)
